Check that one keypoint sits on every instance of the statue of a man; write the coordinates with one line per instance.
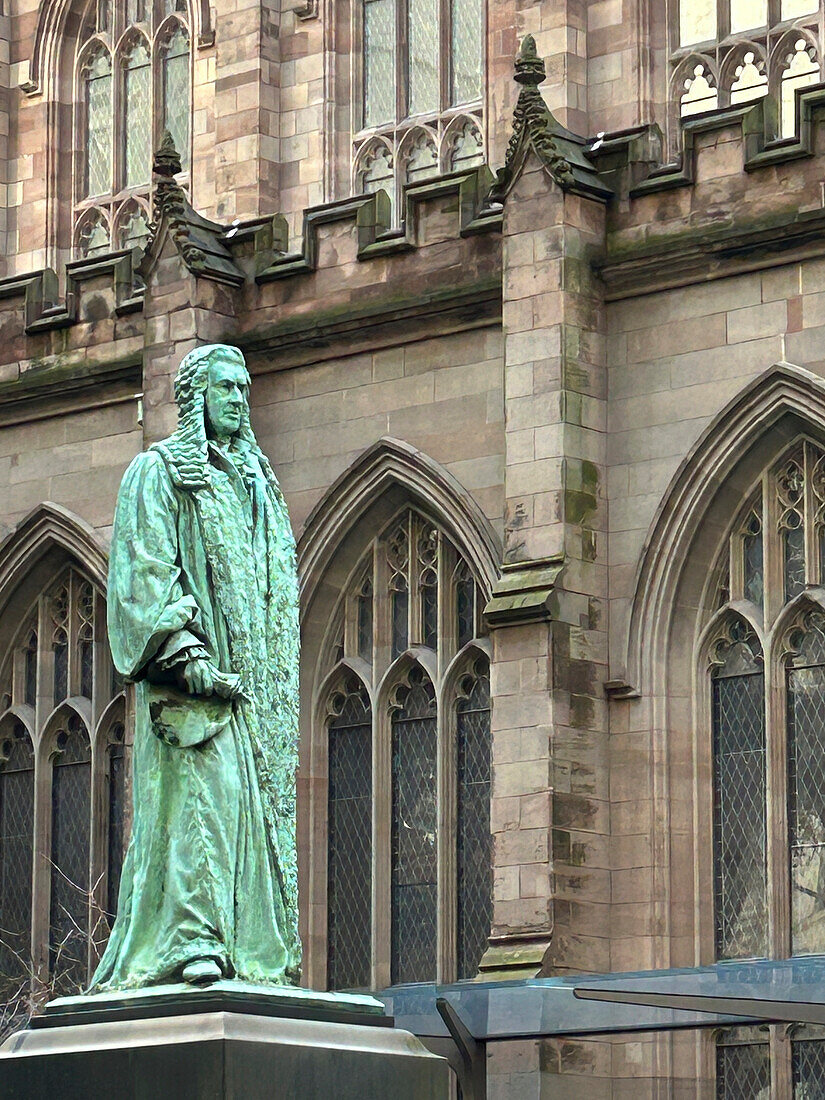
(203, 616)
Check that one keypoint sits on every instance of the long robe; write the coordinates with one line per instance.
(210, 870)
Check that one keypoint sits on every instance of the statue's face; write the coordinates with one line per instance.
(226, 397)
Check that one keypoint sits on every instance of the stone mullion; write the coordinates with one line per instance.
(41, 876)
(382, 845)
(776, 802)
(447, 862)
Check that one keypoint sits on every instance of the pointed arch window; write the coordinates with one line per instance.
(407, 730)
(134, 65)
(59, 703)
(767, 709)
(421, 66)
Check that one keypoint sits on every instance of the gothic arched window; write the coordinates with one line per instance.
(133, 73)
(766, 650)
(729, 52)
(421, 78)
(406, 712)
(59, 705)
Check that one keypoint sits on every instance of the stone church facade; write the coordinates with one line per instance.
(533, 301)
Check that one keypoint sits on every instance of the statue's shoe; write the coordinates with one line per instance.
(202, 972)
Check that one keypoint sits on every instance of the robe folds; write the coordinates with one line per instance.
(210, 870)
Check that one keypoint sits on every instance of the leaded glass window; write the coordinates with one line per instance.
(70, 885)
(808, 1063)
(414, 920)
(56, 674)
(349, 826)
(16, 850)
(769, 749)
(743, 1065)
(134, 64)
(409, 624)
(475, 855)
(739, 795)
(421, 84)
(729, 52)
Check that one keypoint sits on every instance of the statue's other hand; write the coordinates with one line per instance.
(198, 677)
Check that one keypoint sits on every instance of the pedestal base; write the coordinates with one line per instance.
(226, 1042)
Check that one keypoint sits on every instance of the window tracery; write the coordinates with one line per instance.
(766, 670)
(730, 52)
(420, 81)
(406, 718)
(133, 73)
(59, 704)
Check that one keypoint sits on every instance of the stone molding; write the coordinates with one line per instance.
(386, 462)
(784, 388)
(523, 593)
(47, 526)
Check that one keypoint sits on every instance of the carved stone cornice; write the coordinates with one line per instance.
(561, 152)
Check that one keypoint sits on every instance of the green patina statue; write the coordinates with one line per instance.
(203, 616)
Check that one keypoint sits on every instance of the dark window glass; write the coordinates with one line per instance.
(117, 813)
(806, 787)
(794, 552)
(30, 670)
(349, 861)
(137, 105)
(465, 598)
(60, 652)
(176, 93)
(365, 621)
(739, 805)
(414, 833)
(400, 615)
(69, 911)
(474, 841)
(754, 567)
(16, 849)
(743, 1072)
(98, 124)
(808, 1060)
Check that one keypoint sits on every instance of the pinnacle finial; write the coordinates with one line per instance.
(167, 158)
(529, 66)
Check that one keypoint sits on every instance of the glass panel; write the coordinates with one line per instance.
(30, 670)
(16, 849)
(138, 118)
(806, 795)
(133, 231)
(746, 14)
(176, 93)
(791, 9)
(69, 913)
(739, 806)
(467, 52)
(93, 236)
(467, 148)
(5, 686)
(378, 174)
(701, 93)
(136, 11)
(99, 125)
(117, 814)
(423, 56)
(754, 565)
(428, 585)
(743, 1070)
(379, 62)
(398, 560)
(465, 599)
(85, 636)
(414, 833)
(697, 21)
(474, 840)
(808, 1060)
(349, 864)
(365, 621)
(802, 71)
(422, 159)
(794, 554)
(751, 80)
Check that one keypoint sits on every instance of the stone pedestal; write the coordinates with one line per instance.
(225, 1042)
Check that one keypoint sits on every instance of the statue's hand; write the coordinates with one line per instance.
(198, 677)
